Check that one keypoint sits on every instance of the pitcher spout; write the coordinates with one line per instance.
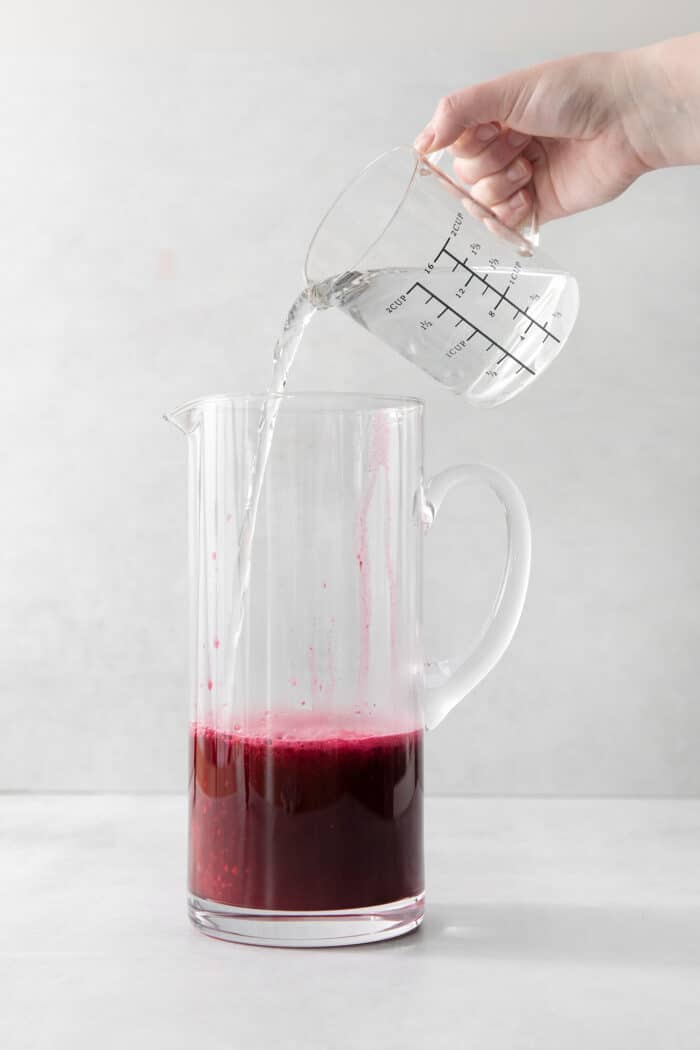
(186, 417)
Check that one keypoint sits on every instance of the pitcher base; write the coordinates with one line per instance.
(306, 929)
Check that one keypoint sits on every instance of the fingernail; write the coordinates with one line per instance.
(487, 132)
(516, 171)
(519, 200)
(425, 139)
(515, 138)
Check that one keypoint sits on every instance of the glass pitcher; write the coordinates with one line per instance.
(407, 253)
(306, 767)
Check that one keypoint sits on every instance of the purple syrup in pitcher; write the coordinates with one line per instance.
(294, 815)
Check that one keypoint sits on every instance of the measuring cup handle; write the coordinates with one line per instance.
(528, 230)
(500, 626)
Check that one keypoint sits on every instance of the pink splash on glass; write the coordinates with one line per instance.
(378, 460)
(315, 681)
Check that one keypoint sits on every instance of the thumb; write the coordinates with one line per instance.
(497, 101)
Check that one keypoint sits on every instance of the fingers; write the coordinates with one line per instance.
(496, 188)
(492, 101)
(474, 141)
(514, 211)
(479, 154)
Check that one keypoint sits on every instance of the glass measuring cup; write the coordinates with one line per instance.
(306, 768)
(406, 252)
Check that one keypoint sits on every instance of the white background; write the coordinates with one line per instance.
(162, 166)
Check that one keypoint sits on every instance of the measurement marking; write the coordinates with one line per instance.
(503, 297)
(444, 249)
(451, 309)
(461, 321)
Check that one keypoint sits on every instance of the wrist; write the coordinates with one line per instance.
(662, 119)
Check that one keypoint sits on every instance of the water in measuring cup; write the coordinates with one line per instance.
(480, 331)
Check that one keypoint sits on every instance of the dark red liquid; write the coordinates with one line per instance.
(297, 817)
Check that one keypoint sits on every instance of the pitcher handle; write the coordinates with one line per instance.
(500, 626)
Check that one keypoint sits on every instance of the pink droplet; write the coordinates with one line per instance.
(213, 555)
(303, 703)
(292, 681)
(217, 643)
(210, 685)
(229, 517)
(324, 585)
(166, 265)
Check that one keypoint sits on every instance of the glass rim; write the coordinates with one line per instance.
(349, 185)
(308, 400)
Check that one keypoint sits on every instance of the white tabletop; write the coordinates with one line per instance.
(550, 924)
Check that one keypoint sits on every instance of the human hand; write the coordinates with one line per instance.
(574, 133)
